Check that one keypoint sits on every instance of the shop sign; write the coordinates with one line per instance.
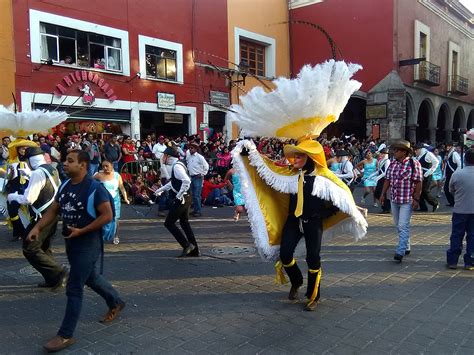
(202, 126)
(376, 111)
(175, 118)
(166, 100)
(86, 79)
(219, 98)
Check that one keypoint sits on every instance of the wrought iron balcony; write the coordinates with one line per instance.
(427, 73)
(458, 85)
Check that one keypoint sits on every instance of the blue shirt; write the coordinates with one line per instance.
(73, 209)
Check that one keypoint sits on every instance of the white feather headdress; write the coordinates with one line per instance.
(21, 124)
(298, 107)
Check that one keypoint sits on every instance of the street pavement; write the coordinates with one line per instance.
(226, 300)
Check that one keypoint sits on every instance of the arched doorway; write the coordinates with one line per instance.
(442, 123)
(458, 122)
(425, 113)
(351, 120)
(470, 120)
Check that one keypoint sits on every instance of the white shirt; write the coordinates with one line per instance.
(380, 173)
(456, 157)
(346, 171)
(180, 173)
(197, 164)
(430, 158)
(158, 150)
(36, 184)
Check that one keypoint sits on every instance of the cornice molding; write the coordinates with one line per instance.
(446, 16)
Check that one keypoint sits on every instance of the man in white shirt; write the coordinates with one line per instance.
(346, 169)
(379, 176)
(429, 163)
(159, 148)
(178, 188)
(198, 168)
(453, 162)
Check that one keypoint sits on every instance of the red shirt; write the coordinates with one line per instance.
(208, 186)
(402, 179)
(128, 157)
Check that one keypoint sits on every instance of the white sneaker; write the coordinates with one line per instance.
(116, 240)
(362, 200)
(376, 204)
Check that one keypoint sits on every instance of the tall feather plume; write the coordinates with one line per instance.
(319, 91)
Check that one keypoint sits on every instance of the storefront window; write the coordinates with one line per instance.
(69, 46)
(160, 63)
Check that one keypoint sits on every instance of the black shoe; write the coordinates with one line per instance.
(293, 295)
(62, 279)
(452, 266)
(161, 214)
(450, 205)
(44, 285)
(196, 214)
(187, 250)
(435, 207)
(194, 252)
(407, 252)
(398, 258)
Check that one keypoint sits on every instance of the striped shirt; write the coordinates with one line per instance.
(402, 179)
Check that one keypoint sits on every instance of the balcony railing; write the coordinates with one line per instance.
(458, 85)
(428, 73)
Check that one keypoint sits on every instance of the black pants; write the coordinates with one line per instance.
(181, 212)
(448, 194)
(312, 232)
(378, 194)
(39, 254)
(426, 195)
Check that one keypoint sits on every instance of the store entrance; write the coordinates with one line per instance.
(216, 121)
(166, 124)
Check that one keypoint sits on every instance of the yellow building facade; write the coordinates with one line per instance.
(259, 45)
(7, 54)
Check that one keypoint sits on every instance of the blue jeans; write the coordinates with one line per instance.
(196, 190)
(401, 213)
(217, 196)
(83, 272)
(116, 166)
(462, 224)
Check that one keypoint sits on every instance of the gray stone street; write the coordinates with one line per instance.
(226, 301)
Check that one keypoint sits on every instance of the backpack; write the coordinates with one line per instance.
(109, 229)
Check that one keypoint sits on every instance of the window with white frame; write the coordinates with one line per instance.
(160, 63)
(160, 59)
(256, 51)
(69, 41)
(85, 49)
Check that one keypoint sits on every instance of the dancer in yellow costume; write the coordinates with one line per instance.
(305, 199)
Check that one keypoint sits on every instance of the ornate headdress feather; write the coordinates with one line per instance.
(300, 107)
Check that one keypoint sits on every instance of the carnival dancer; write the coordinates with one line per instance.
(346, 169)
(438, 174)
(453, 162)
(112, 181)
(178, 188)
(17, 175)
(379, 177)
(39, 195)
(429, 164)
(233, 181)
(369, 165)
(308, 200)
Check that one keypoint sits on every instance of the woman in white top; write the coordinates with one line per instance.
(112, 181)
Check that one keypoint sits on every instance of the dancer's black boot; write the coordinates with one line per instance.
(313, 291)
(296, 279)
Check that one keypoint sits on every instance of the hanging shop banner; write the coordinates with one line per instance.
(87, 83)
(166, 100)
(175, 118)
(219, 98)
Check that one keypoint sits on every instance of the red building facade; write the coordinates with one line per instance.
(424, 100)
(122, 66)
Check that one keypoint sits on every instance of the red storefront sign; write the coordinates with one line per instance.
(84, 77)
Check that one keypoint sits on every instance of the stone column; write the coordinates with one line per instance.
(412, 132)
(448, 134)
(432, 134)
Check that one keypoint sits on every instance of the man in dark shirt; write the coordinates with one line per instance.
(112, 152)
(82, 234)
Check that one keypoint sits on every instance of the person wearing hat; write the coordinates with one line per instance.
(404, 178)
(346, 169)
(17, 176)
(453, 162)
(429, 164)
(178, 188)
(39, 195)
(305, 201)
(198, 168)
(379, 176)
